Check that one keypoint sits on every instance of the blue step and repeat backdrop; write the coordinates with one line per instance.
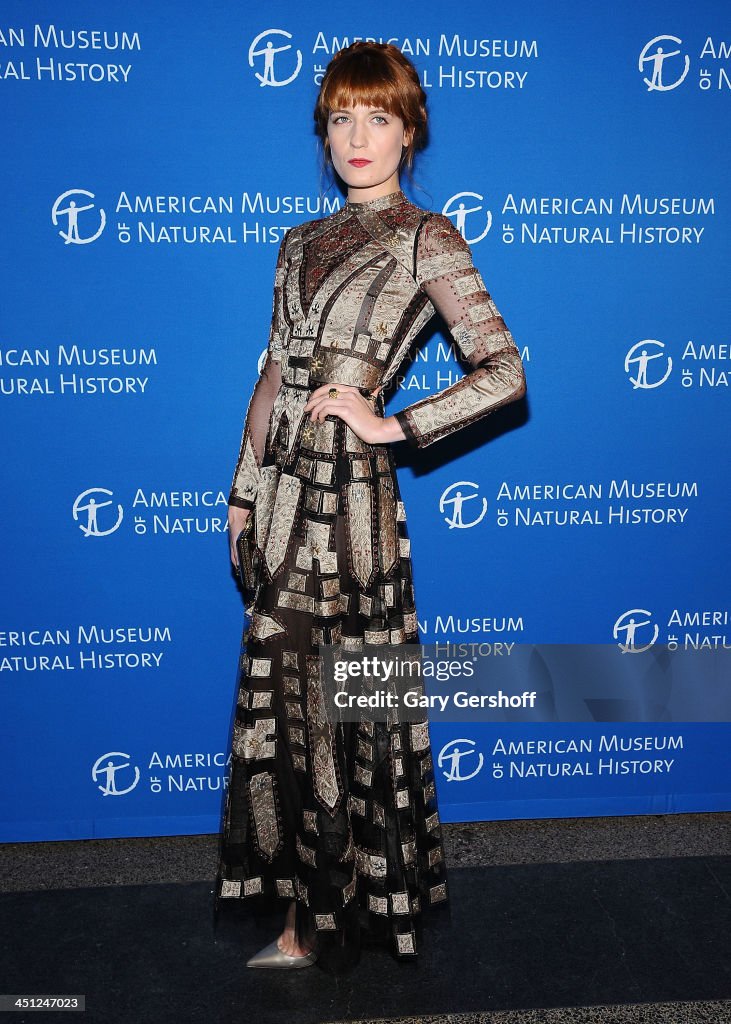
(154, 154)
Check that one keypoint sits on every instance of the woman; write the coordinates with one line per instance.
(340, 825)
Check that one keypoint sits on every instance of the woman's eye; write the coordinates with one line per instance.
(377, 117)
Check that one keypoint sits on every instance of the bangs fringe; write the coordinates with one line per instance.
(357, 87)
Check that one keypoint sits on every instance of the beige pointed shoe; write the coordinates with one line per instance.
(272, 956)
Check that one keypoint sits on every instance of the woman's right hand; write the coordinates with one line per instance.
(236, 521)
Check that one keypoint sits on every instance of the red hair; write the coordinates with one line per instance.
(374, 75)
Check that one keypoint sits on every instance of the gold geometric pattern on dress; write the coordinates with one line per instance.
(324, 472)
(260, 667)
(436, 266)
(352, 442)
(468, 284)
(262, 698)
(500, 341)
(288, 408)
(306, 854)
(419, 735)
(300, 602)
(316, 545)
(400, 903)
(378, 904)
(292, 685)
(327, 785)
(348, 853)
(290, 659)
(309, 819)
(331, 587)
(362, 343)
(246, 478)
(268, 835)
(294, 710)
(388, 534)
(301, 890)
(297, 580)
(438, 892)
(465, 337)
(230, 888)
(482, 311)
(283, 514)
(402, 798)
(250, 742)
(371, 864)
(435, 856)
(365, 749)
(264, 626)
(363, 775)
(408, 851)
(328, 609)
(376, 636)
(357, 804)
(312, 499)
(349, 890)
(324, 437)
(296, 734)
(432, 821)
(269, 475)
(360, 527)
(399, 351)
(346, 311)
(405, 942)
(329, 503)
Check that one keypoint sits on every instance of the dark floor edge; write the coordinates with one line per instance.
(713, 1012)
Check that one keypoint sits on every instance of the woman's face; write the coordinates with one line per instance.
(373, 138)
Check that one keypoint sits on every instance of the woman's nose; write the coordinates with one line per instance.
(357, 136)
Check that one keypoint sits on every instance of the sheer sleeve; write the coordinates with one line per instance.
(245, 482)
(445, 271)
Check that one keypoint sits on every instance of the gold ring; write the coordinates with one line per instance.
(332, 393)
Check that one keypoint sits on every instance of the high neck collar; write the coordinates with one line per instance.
(380, 203)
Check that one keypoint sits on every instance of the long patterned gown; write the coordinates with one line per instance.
(343, 819)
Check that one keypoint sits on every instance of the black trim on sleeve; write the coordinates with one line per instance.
(233, 499)
(406, 427)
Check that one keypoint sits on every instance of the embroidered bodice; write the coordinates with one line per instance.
(351, 292)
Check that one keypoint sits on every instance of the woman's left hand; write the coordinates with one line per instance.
(351, 407)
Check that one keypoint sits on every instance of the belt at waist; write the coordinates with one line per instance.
(366, 392)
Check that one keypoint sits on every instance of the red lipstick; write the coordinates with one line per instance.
(359, 163)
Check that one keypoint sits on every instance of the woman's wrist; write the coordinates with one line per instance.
(392, 430)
